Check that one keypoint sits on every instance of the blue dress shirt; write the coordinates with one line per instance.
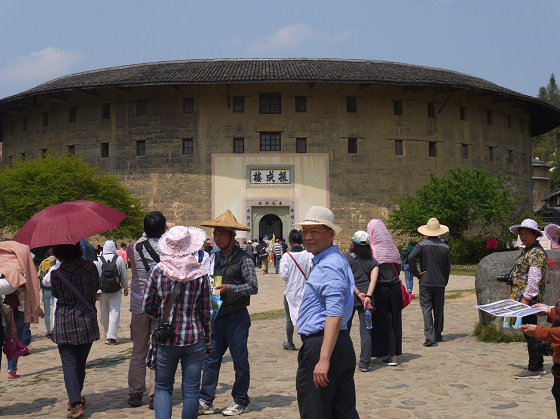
(329, 291)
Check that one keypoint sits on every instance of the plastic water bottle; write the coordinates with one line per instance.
(369, 325)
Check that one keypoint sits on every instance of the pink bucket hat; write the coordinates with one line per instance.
(181, 241)
(527, 223)
(553, 233)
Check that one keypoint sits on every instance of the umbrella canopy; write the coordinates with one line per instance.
(68, 223)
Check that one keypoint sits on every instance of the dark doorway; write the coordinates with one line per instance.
(270, 224)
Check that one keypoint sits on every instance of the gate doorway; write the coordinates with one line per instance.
(270, 224)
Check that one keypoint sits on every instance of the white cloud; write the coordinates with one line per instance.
(292, 36)
(45, 64)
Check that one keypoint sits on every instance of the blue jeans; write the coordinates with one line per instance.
(230, 331)
(167, 359)
(277, 263)
(48, 299)
(409, 278)
(24, 336)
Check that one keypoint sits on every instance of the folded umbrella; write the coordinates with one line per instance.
(68, 223)
(13, 348)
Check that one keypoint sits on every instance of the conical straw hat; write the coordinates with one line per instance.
(226, 220)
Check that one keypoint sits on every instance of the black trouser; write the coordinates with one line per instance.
(74, 359)
(432, 301)
(535, 361)
(338, 399)
(556, 387)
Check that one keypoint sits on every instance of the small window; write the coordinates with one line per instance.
(12, 128)
(432, 149)
(351, 104)
(239, 145)
(141, 148)
(22, 156)
(301, 145)
(239, 104)
(431, 113)
(301, 104)
(523, 159)
(352, 145)
(270, 103)
(491, 153)
(141, 108)
(188, 146)
(397, 107)
(489, 117)
(106, 111)
(72, 115)
(270, 141)
(104, 148)
(510, 156)
(45, 119)
(43, 152)
(72, 149)
(24, 124)
(464, 151)
(11, 160)
(399, 148)
(508, 117)
(463, 113)
(521, 124)
(188, 105)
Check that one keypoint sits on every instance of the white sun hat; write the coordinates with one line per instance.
(319, 216)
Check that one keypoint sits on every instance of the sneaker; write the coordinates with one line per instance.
(151, 406)
(543, 372)
(13, 376)
(363, 369)
(391, 362)
(429, 343)
(528, 374)
(135, 399)
(76, 412)
(235, 409)
(111, 342)
(289, 346)
(83, 400)
(205, 408)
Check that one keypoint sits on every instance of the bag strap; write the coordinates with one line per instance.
(364, 269)
(155, 257)
(59, 274)
(297, 264)
(167, 308)
(102, 259)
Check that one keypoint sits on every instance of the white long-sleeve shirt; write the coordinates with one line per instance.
(295, 281)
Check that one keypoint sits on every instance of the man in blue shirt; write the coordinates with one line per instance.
(326, 361)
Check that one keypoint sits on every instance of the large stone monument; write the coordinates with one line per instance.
(489, 289)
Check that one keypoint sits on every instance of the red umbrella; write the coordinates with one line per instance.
(68, 223)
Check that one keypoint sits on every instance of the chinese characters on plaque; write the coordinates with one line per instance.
(270, 177)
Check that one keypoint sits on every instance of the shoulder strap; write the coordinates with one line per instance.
(102, 259)
(364, 269)
(155, 257)
(59, 274)
(172, 299)
(297, 264)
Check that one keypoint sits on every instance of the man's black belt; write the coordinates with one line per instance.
(321, 333)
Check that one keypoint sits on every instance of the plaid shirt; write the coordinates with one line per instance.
(74, 323)
(192, 310)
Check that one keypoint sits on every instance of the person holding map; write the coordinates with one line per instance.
(528, 286)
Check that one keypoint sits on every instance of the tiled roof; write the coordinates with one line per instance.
(543, 115)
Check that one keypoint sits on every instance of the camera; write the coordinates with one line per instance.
(543, 349)
(505, 278)
(165, 331)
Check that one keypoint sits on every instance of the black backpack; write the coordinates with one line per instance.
(111, 280)
(262, 253)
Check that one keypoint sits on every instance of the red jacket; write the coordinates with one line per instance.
(551, 334)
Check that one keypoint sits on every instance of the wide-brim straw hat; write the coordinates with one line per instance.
(319, 216)
(553, 233)
(527, 223)
(433, 228)
(226, 220)
(181, 241)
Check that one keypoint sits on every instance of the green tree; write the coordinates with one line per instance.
(30, 185)
(545, 145)
(465, 200)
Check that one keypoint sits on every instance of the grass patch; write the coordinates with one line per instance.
(110, 360)
(454, 294)
(488, 333)
(463, 272)
(268, 315)
(38, 379)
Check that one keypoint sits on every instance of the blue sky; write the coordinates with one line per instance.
(512, 43)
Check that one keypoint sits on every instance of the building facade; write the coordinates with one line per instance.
(267, 139)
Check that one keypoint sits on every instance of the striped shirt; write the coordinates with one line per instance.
(192, 310)
(277, 250)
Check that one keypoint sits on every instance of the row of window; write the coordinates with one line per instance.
(271, 141)
(269, 103)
